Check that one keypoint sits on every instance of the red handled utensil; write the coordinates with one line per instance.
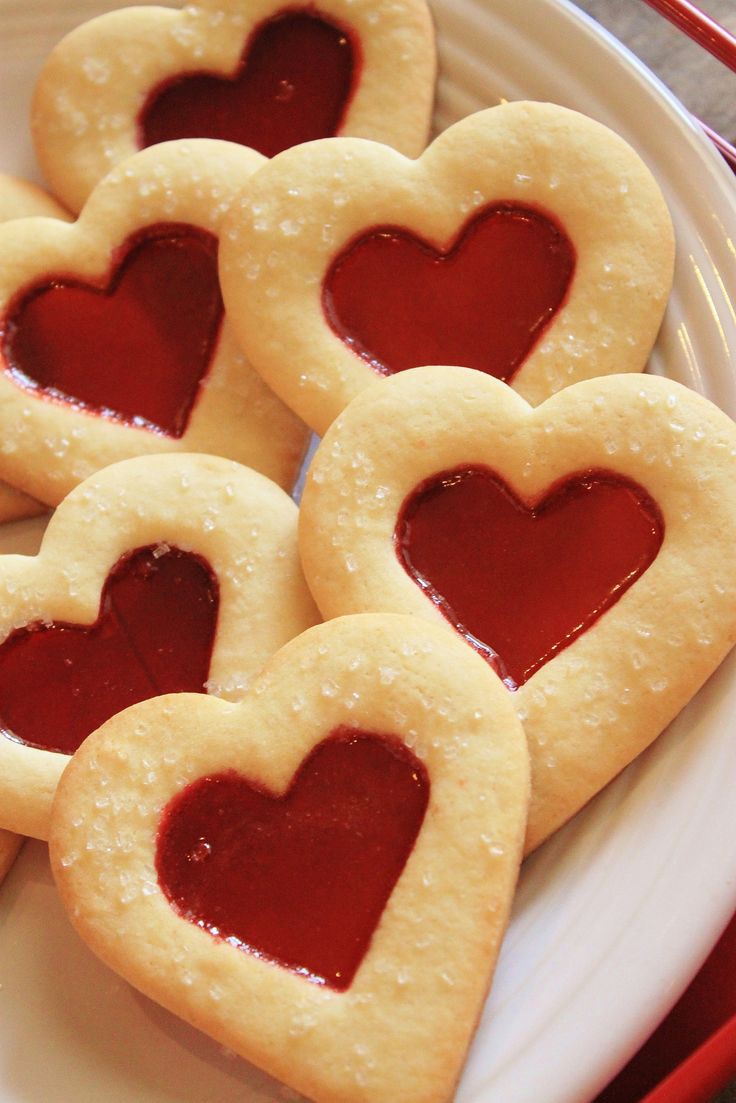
(714, 38)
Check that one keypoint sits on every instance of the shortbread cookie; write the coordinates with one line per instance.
(161, 573)
(585, 547)
(258, 72)
(529, 242)
(21, 199)
(114, 341)
(320, 876)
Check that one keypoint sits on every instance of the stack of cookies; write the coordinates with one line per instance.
(289, 758)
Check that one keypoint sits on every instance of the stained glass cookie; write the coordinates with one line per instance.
(157, 574)
(528, 242)
(115, 341)
(258, 72)
(584, 547)
(319, 877)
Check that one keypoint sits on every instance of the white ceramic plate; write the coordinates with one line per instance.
(616, 913)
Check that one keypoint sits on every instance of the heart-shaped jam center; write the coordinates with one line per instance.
(136, 349)
(301, 879)
(523, 580)
(293, 84)
(154, 634)
(400, 302)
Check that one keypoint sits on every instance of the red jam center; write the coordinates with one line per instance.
(521, 581)
(293, 84)
(136, 349)
(300, 880)
(400, 302)
(154, 634)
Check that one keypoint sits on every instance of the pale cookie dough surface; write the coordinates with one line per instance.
(308, 204)
(49, 445)
(95, 83)
(10, 844)
(399, 1032)
(21, 199)
(602, 699)
(239, 522)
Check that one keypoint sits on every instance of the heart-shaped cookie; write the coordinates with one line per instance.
(21, 199)
(584, 547)
(174, 573)
(320, 876)
(528, 241)
(258, 72)
(113, 341)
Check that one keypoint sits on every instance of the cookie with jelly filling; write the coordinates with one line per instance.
(174, 573)
(583, 547)
(22, 199)
(115, 341)
(319, 877)
(528, 242)
(263, 73)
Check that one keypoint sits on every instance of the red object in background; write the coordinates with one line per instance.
(714, 38)
(699, 26)
(692, 1054)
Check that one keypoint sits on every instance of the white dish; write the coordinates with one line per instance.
(615, 913)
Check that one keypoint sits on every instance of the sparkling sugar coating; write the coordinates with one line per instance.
(342, 191)
(72, 421)
(425, 972)
(89, 107)
(238, 522)
(593, 706)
